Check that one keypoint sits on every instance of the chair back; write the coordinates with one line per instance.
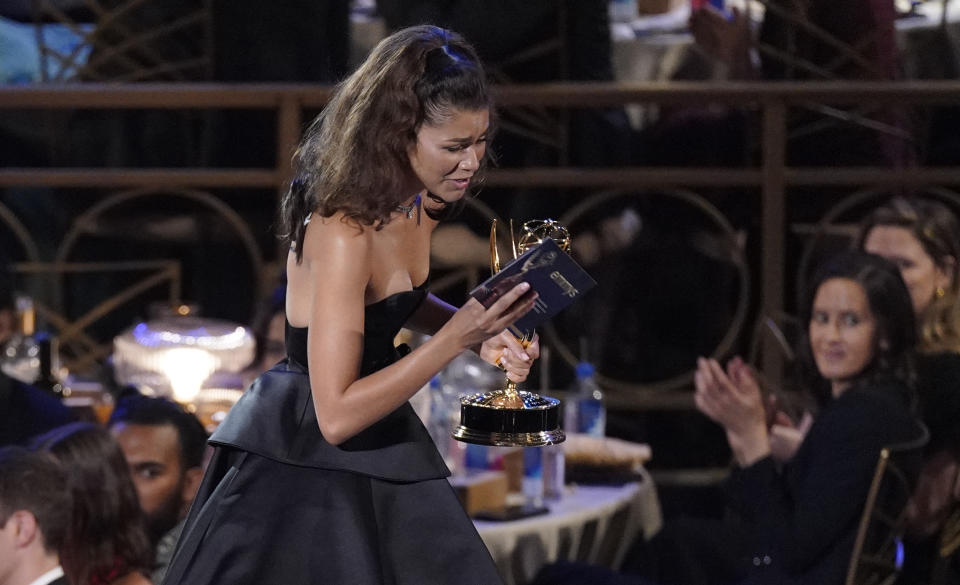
(878, 549)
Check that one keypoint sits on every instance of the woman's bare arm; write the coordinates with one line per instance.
(339, 257)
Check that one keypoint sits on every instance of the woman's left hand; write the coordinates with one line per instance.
(507, 353)
(732, 399)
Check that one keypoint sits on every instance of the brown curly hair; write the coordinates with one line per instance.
(355, 153)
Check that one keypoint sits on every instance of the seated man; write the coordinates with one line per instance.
(34, 512)
(164, 446)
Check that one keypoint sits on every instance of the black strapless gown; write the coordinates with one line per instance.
(279, 505)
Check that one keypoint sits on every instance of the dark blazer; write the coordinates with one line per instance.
(27, 411)
(802, 520)
(60, 581)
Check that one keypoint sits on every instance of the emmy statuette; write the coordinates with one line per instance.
(508, 416)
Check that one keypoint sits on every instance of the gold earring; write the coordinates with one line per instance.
(940, 293)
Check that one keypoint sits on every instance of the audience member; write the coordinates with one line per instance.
(34, 517)
(790, 49)
(797, 523)
(922, 237)
(818, 40)
(107, 542)
(164, 447)
(852, 39)
(857, 350)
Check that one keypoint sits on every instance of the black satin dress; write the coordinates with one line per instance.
(279, 505)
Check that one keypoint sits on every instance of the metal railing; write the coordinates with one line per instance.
(771, 178)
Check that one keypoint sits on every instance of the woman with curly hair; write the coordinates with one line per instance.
(322, 472)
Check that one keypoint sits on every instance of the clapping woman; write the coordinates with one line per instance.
(801, 520)
(796, 522)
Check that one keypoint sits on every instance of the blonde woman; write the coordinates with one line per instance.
(922, 237)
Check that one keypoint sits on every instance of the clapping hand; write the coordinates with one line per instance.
(786, 437)
(732, 399)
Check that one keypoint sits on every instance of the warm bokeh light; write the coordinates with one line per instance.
(186, 368)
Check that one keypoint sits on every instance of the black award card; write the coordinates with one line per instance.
(556, 277)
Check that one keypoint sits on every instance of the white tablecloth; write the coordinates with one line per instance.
(594, 524)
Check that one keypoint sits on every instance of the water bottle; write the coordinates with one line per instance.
(533, 487)
(554, 471)
(590, 409)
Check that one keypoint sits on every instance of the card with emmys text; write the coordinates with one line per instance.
(556, 277)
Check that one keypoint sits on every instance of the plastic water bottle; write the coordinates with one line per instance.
(554, 471)
(533, 488)
(591, 410)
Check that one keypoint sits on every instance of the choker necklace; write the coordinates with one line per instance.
(408, 210)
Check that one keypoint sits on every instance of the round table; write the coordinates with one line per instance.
(593, 524)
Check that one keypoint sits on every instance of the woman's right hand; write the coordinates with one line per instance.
(473, 324)
(786, 437)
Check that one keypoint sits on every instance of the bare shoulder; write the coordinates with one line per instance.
(133, 578)
(338, 252)
(337, 255)
(336, 236)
